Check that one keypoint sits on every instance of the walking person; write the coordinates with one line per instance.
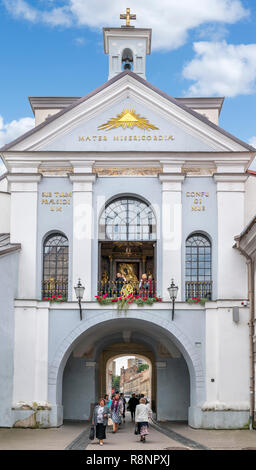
(142, 415)
(116, 408)
(124, 403)
(143, 396)
(107, 400)
(132, 403)
(100, 419)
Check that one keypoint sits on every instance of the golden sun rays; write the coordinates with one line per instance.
(127, 118)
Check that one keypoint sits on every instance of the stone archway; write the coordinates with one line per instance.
(145, 319)
(128, 349)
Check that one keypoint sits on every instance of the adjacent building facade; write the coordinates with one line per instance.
(125, 180)
(132, 381)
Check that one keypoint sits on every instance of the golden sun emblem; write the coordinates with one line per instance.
(127, 118)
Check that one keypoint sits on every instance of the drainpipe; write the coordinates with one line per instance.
(250, 265)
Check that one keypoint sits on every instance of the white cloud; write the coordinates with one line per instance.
(54, 16)
(222, 69)
(11, 130)
(79, 41)
(171, 20)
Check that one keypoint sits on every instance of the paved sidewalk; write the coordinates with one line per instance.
(220, 439)
(74, 435)
(125, 439)
(40, 439)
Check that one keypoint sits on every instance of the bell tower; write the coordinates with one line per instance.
(127, 47)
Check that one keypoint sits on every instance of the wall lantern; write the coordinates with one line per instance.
(79, 290)
(173, 291)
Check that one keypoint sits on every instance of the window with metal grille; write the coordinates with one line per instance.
(127, 219)
(55, 265)
(198, 269)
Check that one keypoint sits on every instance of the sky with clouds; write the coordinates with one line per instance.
(199, 48)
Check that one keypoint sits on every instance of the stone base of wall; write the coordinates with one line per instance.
(38, 419)
(221, 419)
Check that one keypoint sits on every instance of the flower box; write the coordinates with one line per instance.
(55, 298)
(197, 300)
(123, 302)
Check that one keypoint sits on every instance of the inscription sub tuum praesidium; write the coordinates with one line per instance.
(55, 201)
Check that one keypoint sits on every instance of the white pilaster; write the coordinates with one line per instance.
(232, 276)
(30, 383)
(82, 231)
(23, 229)
(171, 230)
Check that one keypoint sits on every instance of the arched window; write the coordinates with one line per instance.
(198, 266)
(55, 266)
(127, 218)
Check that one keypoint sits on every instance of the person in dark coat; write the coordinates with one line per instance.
(151, 286)
(119, 283)
(124, 403)
(100, 419)
(132, 403)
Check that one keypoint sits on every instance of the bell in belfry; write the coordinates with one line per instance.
(127, 59)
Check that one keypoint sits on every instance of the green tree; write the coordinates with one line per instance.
(142, 367)
(116, 382)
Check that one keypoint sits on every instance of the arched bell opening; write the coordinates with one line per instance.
(127, 59)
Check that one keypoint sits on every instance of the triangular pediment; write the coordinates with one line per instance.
(127, 114)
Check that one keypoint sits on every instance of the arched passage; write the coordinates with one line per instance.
(101, 330)
(114, 351)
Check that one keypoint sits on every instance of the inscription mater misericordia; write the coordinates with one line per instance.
(125, 138)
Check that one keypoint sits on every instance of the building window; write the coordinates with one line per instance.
(127, 219)
(198, 266)
(55, 266)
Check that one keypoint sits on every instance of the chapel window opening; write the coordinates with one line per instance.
(198, 269)
(127, 248)
(55, 267)
(128, 219)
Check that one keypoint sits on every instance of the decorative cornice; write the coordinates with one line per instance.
(135, 33)
(82, 178)
(51, 102)
(24, 177)
(202, 103)
(171, 178)
(230, 177)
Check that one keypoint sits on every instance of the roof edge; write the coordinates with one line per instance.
(148, 85)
